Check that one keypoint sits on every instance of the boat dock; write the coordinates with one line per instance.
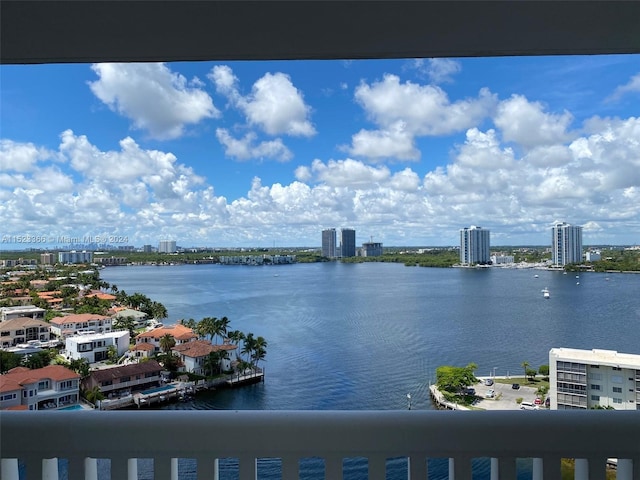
(253, 377)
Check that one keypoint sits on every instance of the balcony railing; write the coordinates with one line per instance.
(38, 439)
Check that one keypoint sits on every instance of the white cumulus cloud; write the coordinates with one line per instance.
(153, 97)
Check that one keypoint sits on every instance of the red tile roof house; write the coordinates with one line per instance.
(80, 322)
(194, 355)
(180, 333)
(23, 329)
(45, 388)
(123, 380)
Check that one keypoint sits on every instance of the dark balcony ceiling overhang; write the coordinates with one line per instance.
(52, 31)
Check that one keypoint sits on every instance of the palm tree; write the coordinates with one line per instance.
(235, 336)
(248, 345)
(525, 365)
(167, 342)
(223, 326)
(259, 350)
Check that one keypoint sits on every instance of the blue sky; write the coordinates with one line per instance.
(270, 153)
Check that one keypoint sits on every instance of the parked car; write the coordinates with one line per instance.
(528, 406)
(547, 402)
(516, 386)
(490, 393)
(537, 401)
(488, 382)
(469, 391)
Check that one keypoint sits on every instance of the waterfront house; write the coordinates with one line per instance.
(68, 325)
(7, 313)
(180, 333)
(194, 355)
(94, 347)
(121, 380)
(51, 387)
(140, 318)
(22, 330)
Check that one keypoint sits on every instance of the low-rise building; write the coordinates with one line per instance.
(140, 318)
(94, 347)
(194, 355)
(582, 379)
(63, 327)
(45, 388)
(7, 313)
(180, 333)
(22, 330)
(123, 380)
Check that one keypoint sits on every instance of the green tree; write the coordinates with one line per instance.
(544, 370)
(112, 353)
(259, 350)
(531, 373)
(80, 366)
(126, 323)
(8, 360)
(525, 365)
(93, 395)
(455, 379)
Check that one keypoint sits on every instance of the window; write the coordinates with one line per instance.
(595, 376)
(617, 389)
(616, 379)
(125, 379)
(594, 386)
(5, 333)
(43, 385)
(617, 368)
(106, 383)
(595, 398)
(617, 400)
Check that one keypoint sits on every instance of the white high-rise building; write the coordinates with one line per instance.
(474, 245)
(167, 246)
(583, 379)
(566, 244)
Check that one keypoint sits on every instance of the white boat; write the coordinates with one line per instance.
(545, 292)
(535, 276)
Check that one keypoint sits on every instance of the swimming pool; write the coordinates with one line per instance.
(72, 407)
(157, 389)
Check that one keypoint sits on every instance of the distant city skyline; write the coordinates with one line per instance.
(255, 154)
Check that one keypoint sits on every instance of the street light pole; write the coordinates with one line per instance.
(409, 401)
(494, 373)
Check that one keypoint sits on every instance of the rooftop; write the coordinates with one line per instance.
(602, 357)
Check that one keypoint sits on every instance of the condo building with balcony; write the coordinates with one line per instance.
(587, 379)
(474, 245)
(566, 244)
(51, 387)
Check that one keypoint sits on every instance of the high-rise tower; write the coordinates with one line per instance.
(347, 242)
(566, 244)
(474, 245)
(329, 243)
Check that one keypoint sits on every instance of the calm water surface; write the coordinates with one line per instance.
(362, 336)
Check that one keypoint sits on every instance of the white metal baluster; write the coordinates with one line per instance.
(90, 468)
(132, 469)
(537, 469)
(581, 471)
(290, 468)
(624, 469)
(416, 468)
(50, 468)
(9, 469)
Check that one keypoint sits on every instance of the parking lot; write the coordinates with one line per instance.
(505, 397)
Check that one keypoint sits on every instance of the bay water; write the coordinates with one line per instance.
(363, 336)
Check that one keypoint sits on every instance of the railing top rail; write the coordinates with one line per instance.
(316, 433)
